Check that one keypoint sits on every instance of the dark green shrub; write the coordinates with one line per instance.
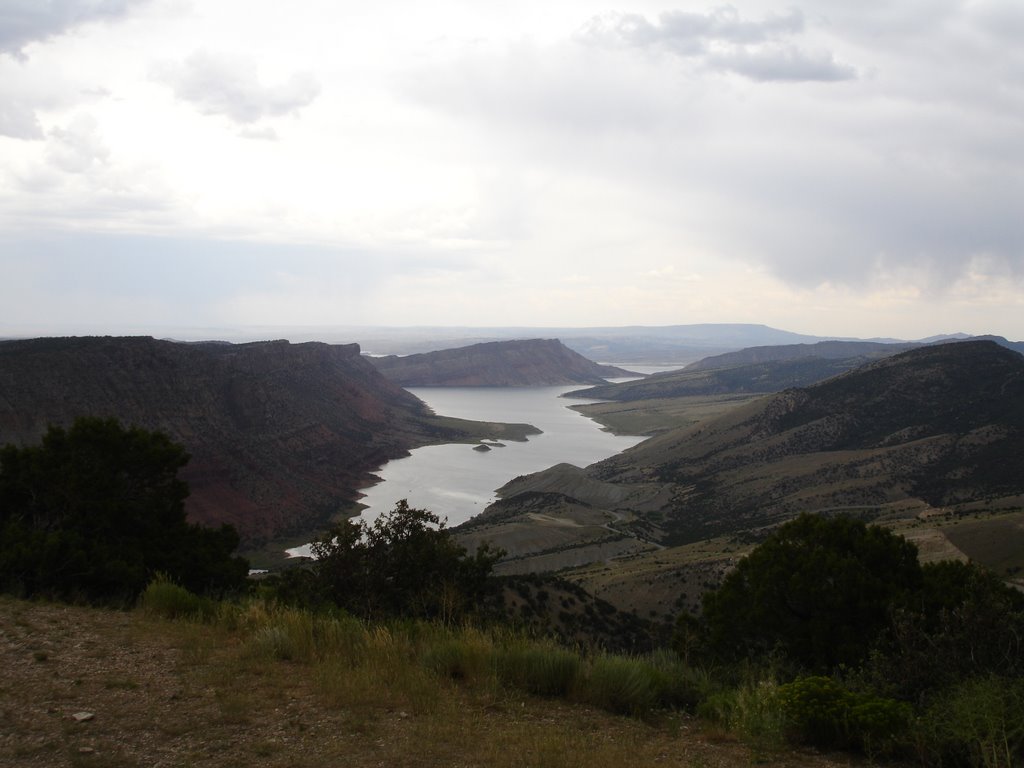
(817, 710)
(97, 510)
(821, 711)
(964, 623)
(818, 591)
(978, 722)
(406, 564)
(880, 726)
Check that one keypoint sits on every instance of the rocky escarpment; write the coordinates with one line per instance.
(280, 434)
(529, 363)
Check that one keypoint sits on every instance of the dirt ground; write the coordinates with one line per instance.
(89, 687)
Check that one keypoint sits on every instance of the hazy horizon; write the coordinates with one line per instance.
(833, 169)
(352, 333)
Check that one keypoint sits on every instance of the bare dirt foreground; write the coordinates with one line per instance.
(87, 687)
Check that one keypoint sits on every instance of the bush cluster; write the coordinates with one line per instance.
(405, 564)
(863, 648)
(95, 511)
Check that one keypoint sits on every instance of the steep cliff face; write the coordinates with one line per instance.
(529, 363)
(280, 434)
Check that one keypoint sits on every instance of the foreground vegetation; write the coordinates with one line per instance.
(95, 511)
(829, 635)
(250, 684)
(187, 680)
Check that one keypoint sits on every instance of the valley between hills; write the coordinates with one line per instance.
(925, 438)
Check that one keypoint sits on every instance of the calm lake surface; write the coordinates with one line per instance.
(457, 482)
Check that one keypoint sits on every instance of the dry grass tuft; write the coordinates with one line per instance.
(220, 693)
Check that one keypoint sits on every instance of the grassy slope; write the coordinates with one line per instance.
(658, 582)
(658, 585)
(185, 694)
(651, 417)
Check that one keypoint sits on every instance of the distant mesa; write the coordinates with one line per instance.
(527, 363)
(824, 350)
(634, 344)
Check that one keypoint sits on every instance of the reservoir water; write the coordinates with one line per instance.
(457, 482)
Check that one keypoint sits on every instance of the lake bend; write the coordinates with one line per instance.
(457, 482)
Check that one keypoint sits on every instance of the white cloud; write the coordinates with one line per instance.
(782, 63)
(218, 84)
(688, 33)
(27, 21)
(723, 40)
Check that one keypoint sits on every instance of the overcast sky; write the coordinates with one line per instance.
(828, 167)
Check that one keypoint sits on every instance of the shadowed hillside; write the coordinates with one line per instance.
(935, 428)
(280, 435)
(938, 425)
(531, 363)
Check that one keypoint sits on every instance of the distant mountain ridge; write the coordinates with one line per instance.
(825, 350)
(281, 435)
(835, 350)
(756, 370)
(622, 344)
(519, 363)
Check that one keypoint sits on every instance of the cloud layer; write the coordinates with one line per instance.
(27, 21)
(854, 169)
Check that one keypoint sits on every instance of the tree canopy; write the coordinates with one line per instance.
(405, 564)
(819, 590)
(95, 511)
(964, 622)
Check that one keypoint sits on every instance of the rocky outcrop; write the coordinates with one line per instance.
(280, 435)
(530, 363)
